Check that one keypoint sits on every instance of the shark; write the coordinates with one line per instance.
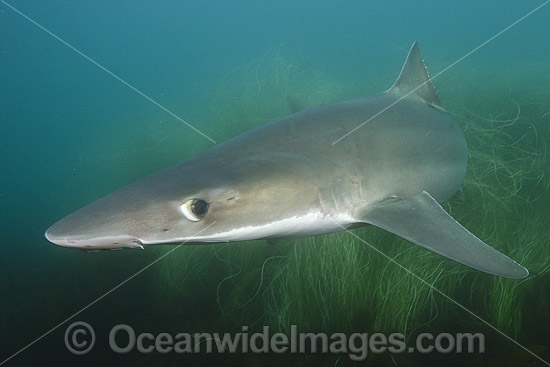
(387, 160)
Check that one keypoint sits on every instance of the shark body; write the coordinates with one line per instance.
(287, 178)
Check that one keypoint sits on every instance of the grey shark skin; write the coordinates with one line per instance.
(287, 179)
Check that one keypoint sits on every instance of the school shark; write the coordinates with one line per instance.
(386, 160)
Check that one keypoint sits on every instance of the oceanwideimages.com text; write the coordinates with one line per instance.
(80, 339)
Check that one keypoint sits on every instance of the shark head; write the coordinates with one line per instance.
(210, 198)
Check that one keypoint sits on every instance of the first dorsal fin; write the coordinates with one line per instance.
(414, 79)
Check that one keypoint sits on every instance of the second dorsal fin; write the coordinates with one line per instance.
(414, 79)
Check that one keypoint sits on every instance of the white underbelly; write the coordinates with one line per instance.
(311, 224)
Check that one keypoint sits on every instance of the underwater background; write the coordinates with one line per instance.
(70, 133)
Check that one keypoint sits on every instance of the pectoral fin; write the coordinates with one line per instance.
(421, 220)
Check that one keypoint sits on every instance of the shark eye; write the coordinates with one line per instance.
(194, 209)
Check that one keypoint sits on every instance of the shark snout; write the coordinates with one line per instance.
(111, 222)
(91, 232)
(91, 243)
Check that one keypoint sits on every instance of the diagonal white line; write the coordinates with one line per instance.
(102, 296)
(441, 72)
(442, 293)
(109, 72)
